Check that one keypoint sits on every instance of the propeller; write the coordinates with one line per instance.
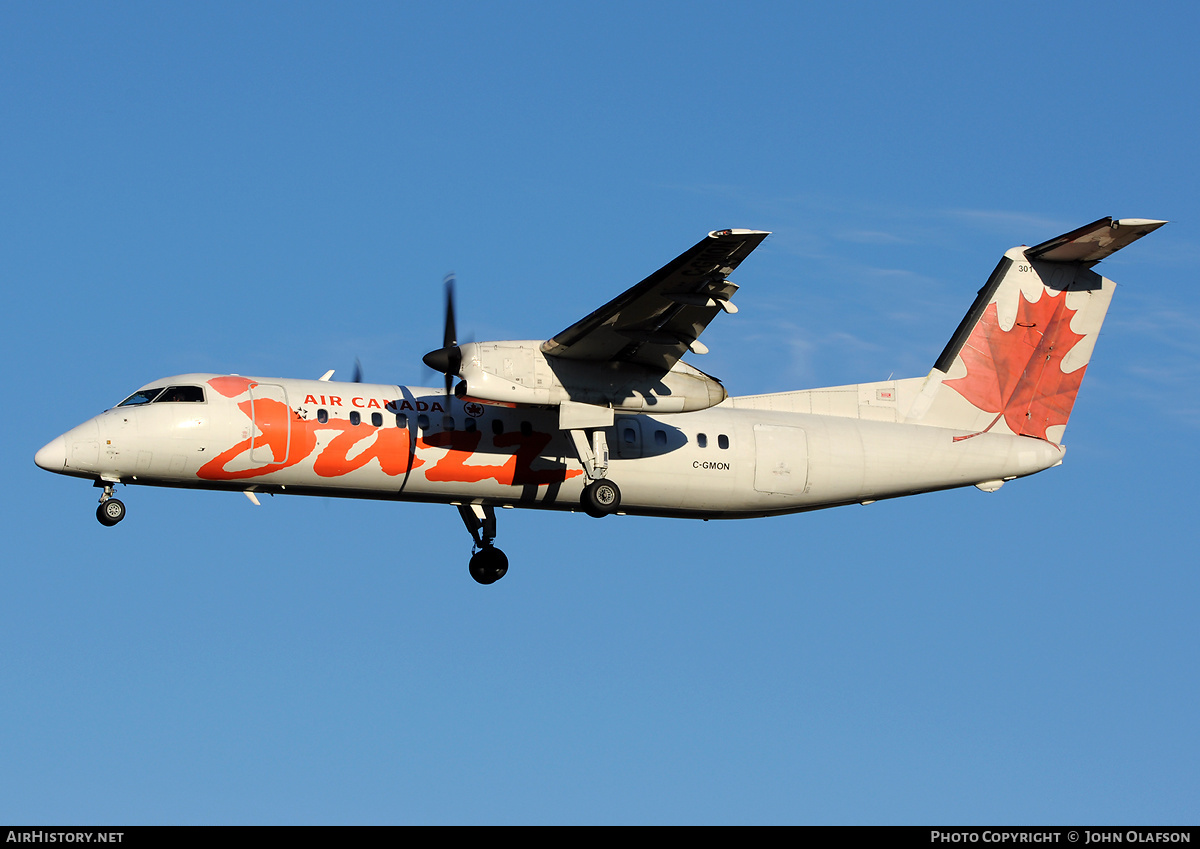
(448, 358)
(358, 375)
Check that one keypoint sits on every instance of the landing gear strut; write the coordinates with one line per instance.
(488, 563)
(111, 510)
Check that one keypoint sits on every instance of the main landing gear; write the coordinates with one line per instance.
(600, 497)
(111, 510)
(488, 563)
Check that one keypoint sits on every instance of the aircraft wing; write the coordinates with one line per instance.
(658, 320)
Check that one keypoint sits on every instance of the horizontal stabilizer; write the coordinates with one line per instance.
(1093, 242)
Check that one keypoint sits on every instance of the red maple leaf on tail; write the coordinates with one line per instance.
(1018, 373)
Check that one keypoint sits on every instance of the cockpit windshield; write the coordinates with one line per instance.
(159, 395)
(142, 396)
(192, 394)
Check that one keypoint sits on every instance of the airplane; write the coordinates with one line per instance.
(606, 417)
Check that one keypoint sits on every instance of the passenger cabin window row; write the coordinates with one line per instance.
(722, 440)
(356, 418)
(629, 437)
(423, 422)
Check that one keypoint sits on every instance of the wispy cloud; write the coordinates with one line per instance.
(1002, 220)
(871, 237)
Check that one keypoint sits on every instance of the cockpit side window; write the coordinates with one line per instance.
(189, 394)
(142, 396)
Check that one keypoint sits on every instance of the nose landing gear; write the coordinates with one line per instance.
(111, 510)
(488, 563)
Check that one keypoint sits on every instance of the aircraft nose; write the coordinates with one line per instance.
(53, 455)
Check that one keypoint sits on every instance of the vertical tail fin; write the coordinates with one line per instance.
(1016, 361)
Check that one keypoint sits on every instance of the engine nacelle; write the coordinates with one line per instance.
(519, 373)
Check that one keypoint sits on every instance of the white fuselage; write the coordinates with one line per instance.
(311, 437)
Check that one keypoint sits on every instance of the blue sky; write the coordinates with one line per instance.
(278, 189)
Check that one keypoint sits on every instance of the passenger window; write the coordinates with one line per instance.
(629, 435)
(401, 420)
(702, 440)
(660, 437)
(423, 422)
(497, 426)
(322, 416)
(377, 419)
(355, 417)
(447, 422)
(722, 441)
(471, 427)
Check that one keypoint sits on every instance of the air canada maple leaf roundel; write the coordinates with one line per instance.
(1017, 373)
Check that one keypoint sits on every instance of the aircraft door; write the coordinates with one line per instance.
(270, 438)
(780, 459)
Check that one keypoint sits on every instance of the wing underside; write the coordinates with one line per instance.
(657, 321)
